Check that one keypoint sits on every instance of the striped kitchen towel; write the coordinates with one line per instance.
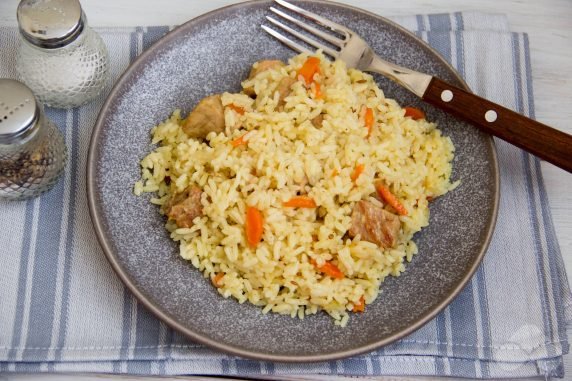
(62, 309)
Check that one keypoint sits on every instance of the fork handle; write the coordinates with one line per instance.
(545, 142)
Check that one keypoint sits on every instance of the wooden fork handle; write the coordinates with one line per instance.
(545, 142)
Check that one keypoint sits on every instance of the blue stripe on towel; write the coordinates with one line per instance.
(532, 207)
(441, 345)
(43, 293)
(73, 164)
(247, 367)
(485, 320)
(270, 367)
(459, 45)
(441, 41)
(459, 20)
(22, 280)
(464, 330)
(168, 348)
(27, 367)
(420, 23)
(153, 34)
(440, 22)
(551, 239)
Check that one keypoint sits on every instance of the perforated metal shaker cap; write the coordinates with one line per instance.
(19, 112)
(50, 23)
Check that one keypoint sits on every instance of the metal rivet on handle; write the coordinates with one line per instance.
(491, 116)
(447, 96)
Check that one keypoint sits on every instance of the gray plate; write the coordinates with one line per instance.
(211, 54)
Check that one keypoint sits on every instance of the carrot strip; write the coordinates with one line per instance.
(414, 113)
(253, 226)
(240, 141)
(300, 202)
(389, 198)
(318, 91)
(360, 307)
(369, 120)
(357, 172)
(332, 270)
(239, 110)
(329, 269)
(309, 69)
(217, 279)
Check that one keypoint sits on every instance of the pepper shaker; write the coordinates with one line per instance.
(63, 61)
(32, 149)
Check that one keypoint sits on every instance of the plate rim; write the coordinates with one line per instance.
(97, 223)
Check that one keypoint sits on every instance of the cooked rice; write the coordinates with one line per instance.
(284, 151)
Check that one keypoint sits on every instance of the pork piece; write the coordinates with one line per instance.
(374, 224)
(184, 207)
(262, 66)
(207, 116)
(284, 88)
(317, 121)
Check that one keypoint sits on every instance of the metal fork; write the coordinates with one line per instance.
(545, 142)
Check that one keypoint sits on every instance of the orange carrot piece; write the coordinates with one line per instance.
(360, 307)
(217, 279)
(369, 120)
(329, 269)
(300, 202)
(335, 173)
(414, 113)
(239, 110)
(240, 141)
(253, 226)
(332, 270)
(357, 172)
(388, 197)
(309, 69)
(318, 91)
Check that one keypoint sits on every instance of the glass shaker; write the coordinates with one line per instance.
(32, 149)
(63, 61)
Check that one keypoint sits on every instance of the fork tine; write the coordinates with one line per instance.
(325, 36)
(317, 18)
(286, 41)
(303, 37)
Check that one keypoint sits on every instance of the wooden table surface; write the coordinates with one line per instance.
(548, 23)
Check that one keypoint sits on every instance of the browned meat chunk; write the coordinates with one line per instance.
(184, 207)
(249, 91)
(263, 66)
(258, 68)
(374, 224)
(284, 89)
(207, 116)
(317, 121)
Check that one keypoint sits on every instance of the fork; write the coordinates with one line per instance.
(547, 143)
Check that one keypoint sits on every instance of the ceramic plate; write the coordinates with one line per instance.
(212, 54)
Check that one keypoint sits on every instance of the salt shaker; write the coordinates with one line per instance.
(32, 149)
(63, 61)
